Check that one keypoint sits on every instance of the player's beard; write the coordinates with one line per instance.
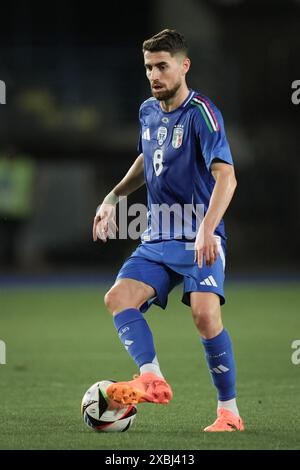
(165, 95)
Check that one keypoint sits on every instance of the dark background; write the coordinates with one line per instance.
(74, 82)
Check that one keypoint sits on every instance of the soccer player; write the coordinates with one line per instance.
(184, 160)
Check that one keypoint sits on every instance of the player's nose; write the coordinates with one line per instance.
(154, 75)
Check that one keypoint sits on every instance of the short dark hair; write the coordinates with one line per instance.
(168, 40)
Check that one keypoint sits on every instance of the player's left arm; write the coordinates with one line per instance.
(225, 184)
(209, 126)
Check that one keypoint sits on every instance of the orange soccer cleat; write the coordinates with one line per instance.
(226, 421)
(147, 387)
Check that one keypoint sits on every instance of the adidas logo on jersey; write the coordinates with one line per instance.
(146, 134)
(209, 281)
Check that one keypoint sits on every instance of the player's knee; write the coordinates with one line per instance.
(202, 318)
(112, 299)
(207, 321)
(119, 298)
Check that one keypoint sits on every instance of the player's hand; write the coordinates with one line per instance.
(205, 246)
(104, 225)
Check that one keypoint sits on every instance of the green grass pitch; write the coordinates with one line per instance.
(60, 341)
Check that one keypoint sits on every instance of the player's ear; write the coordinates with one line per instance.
(186, 65)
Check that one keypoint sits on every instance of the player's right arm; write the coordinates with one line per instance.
(104, 221)
(133, 179)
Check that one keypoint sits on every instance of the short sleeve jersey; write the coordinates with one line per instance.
(179, 148)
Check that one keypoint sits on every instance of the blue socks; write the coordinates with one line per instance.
(220, 361)
(137, 338)
(135, 334)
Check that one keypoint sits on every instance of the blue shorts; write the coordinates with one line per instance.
(165, 264)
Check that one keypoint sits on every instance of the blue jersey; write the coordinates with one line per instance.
(179, 148)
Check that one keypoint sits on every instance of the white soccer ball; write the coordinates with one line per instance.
(102, 414)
